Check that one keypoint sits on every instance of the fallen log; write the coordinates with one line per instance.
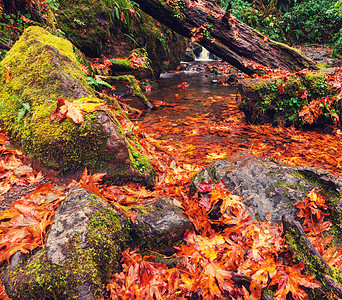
(224, 35)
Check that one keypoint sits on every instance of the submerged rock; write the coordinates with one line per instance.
(269, 186)
(43, 68)
(82, 250)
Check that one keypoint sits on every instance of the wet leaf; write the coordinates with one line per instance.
(289, 279)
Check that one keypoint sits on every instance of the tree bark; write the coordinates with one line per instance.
(224, 35)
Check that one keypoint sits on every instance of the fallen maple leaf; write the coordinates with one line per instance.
(8, 73)
(290, 279)
(23, 226)
(75, 110)
(183, 85)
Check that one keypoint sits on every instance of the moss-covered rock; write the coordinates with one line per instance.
(107, 28)
(277, 101)
(84, 245)
(83, 249)
(122, 66)
(43, 68)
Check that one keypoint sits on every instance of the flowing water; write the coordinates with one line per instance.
(198, 120)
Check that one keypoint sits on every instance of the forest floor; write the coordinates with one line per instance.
(192, 126)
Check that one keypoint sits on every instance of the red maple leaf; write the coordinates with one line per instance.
(290, 279)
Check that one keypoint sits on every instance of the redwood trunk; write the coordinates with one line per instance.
(229, 38)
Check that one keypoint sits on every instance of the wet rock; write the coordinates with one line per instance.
(82, 250)
(215, 71)
(84, 246)
(189, 55)
(269, 186)
(197, 49)
(160, 225)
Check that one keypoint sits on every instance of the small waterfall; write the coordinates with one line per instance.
(206, 56)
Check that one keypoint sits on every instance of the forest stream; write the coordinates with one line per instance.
(200, 122)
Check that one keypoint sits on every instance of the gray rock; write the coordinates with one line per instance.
(189, 55)
(160, 225)
(82, 250)
(268, 186)
(84, 247)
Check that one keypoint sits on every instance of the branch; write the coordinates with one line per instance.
(295, 230)
(4, 46)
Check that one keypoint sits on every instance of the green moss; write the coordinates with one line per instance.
(312, 263)
(327, 189)
(93, 264)
(100, 31)
(323, 65)
(121, 63)
(134, 86)
(37, 69)
(140, 161)
(280, 100)
(43, 68)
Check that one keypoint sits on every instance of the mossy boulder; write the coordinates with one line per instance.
(82, 250)
(84, 245)
(277, 101)
(40, 68)
(108, 28)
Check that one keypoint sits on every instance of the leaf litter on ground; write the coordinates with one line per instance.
(218, 251)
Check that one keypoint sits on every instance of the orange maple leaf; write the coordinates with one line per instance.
(29, 218)
(290, 279)
(8, 73)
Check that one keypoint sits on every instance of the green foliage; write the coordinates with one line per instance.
(314, 21)
(177, 7)
(292, 21)
(11, 26)
(29, 13)
(123, 10)
(53, 4)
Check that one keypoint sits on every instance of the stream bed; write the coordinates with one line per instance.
(199, 122)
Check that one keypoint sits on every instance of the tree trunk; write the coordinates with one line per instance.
(224, 35)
